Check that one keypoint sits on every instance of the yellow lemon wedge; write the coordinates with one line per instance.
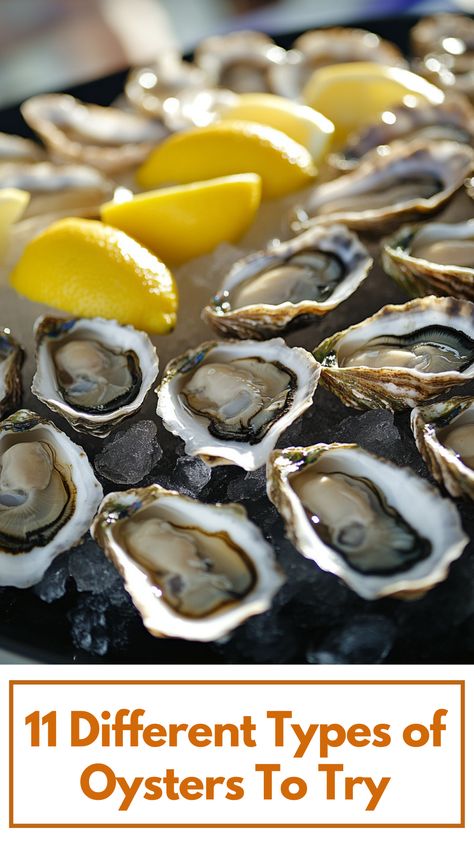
(300, 122)
(179, 223)
(13, 204)
(356, 93)
(91, 269)
(229, 147)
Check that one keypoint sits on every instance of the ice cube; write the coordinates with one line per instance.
(365, 639)
(53, 583)
(130, 454)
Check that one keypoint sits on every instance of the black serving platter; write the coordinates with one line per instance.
(341, 628)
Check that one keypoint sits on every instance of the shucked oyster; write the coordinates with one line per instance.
(11, 360)
(230, 401)
(446, 44)
(444, 434)
(157, 90)
(240, 61)
(14, 148)
(407, 181)
(94, 372)
(56, 187)
(289, 284)
(107, 138)
(193, 570)
(437, 258)
(401, 356)
(48, 496)
(381, 528)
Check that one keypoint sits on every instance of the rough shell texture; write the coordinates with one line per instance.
(420, 276)
(193, 429)
(49, 331)
(11, 361)
(416, 500)
(260, 321)
(394, 388)
(159, 617)
(444, 464)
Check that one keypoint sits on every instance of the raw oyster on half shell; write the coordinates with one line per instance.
(14, 148)
(401, 356)
(193, 570)
(11, 361)
(56, 187)
(240, 61)
(381, 528)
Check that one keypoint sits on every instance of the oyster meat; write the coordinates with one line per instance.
(406, 182)
(11, 361)
(240, 61)
(381, 528)
(444, 435)
(56, 187)
(437, 258)
(194, 570)
(230, 401)
(48, 497)
(94, 372)
(289, 284)
(401, 356)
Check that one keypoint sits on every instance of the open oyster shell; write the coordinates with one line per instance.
(230, 401)
(14, 148)
(48, 496)
(406, 182)
(289, 284)
(11, 361)
(193, 570)
(437, 258)
(94, 372)
(156, 90)
(402, 355)
(56, 187)
(446, 44)
(240, 61)
(444, 435)
(381, 528)
(107, 138)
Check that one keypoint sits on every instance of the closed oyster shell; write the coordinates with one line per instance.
(406, 182)
(57, 187)
(435, 258)
(93, 372)
(48, 496)
(381, 528)
(193, 570)
(230, 401)
(107, 138)
(374, 363)
(444, 435)
(11, 361)
(328, 262)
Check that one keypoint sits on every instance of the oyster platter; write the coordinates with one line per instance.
(237, 355)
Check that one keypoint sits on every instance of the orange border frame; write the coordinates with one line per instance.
(316, 682)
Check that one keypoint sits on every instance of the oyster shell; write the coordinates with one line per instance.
(446, 44)
(94, 372)
(14, 148)
(401, 356)
(406, 182)
(240, 61)
(437, 258)
(11, 361)
(193, 570)
(452, 119)
(288, 284)
(48, 496)
(381, 528)
(107, 138)
(444, 435)
(56, 187)
(230, 401)
(157, 90)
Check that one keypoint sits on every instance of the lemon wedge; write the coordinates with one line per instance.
(229, 147)
(91, 269)
(13, 204)
(179, 223)
(354, 94)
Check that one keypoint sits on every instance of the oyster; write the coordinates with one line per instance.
(230, 401)
(56, 187)
(401, 356)
(157, 90)
(48, 496)
(240, 61)
(437, 258)
(193, 570)
(11, 361)
(289, 284)
(446, 44)
(444, 435)
(320, 47)
(381, 528)
(107, 138)
(14, 148)
(94, 372)
(452, 119)
(407, 181)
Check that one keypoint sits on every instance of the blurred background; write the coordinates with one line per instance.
(52, 44)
